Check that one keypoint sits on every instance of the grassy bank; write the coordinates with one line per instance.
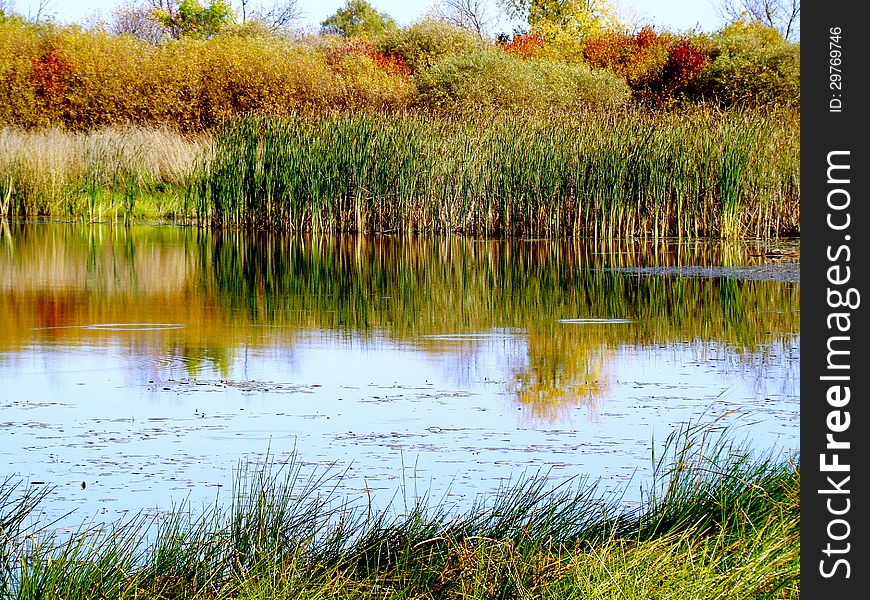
(718, 522)
(602, 174)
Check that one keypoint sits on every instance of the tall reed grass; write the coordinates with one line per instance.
(600, 174)
(113, 174)
(719, 521)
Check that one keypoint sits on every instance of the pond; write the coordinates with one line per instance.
(139, 366)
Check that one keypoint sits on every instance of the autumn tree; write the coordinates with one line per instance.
(782, 15)
(561, 19)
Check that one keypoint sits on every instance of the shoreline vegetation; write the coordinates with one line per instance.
(716, 522)
(598, 175)
(604, 175)
(428, 128)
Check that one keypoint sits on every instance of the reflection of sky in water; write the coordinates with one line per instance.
(148, 362)
(140, 430)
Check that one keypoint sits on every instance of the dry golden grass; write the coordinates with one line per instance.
(55, 172)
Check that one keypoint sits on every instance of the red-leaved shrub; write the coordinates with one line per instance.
(685, 62)
(523, 45)
(657, 67)
(50, 78)
(390, 64)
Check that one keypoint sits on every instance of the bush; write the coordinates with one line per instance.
(501, 80)
(684, 63)
(338, 50)
(660, 68)
(425, 43)
(366, 85)
(106, 83)
(751, 65)
(266, 75)
(82, 80)
(633, 57)
(88, 79)
(524, 45)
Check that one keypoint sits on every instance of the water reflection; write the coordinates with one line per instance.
(557, 305)
(147, 361)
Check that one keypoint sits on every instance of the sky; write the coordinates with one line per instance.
(674, 15)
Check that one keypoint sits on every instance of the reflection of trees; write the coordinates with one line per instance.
(564, 369)
(234, 290)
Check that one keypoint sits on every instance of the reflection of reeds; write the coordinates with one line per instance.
(225, 286)
(408, 289)
(719, 522)
(604, 175)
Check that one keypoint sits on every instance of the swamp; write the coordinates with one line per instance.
(410, 312)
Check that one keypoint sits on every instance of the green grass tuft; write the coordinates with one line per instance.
(717, 522)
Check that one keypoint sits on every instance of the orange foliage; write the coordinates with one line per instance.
(524, 45)
(50, 77)
(657, 67)
(633, 57)
(389, 64)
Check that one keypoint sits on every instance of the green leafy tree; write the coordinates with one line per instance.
(562, 20)
(358, 18)
(191, 19)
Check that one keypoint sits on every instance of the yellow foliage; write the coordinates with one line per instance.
(83, 80)
(18, 46)
(365, 85)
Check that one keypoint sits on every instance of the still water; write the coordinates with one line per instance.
(139, 366)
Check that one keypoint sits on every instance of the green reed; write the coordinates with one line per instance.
(596, 174)
(287, 535)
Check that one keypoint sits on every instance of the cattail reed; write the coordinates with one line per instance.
(607, 175)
